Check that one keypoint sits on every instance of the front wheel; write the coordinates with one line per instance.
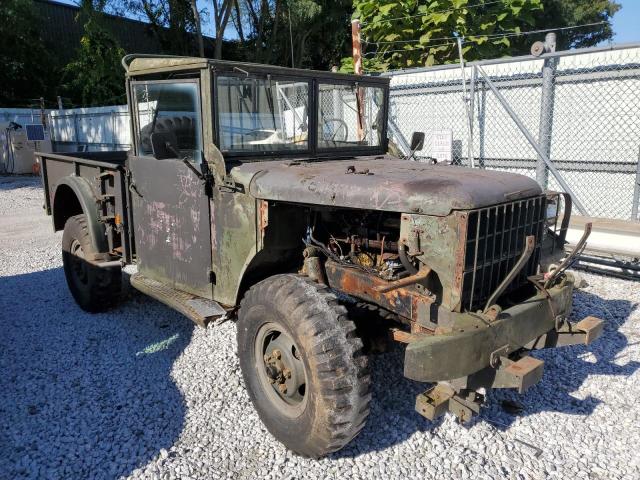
(303, 364)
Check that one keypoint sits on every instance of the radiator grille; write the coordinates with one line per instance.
(495, 240)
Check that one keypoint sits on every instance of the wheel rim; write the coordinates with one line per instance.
(281, 369)
(78, 264)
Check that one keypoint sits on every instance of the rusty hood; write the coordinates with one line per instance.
(382, 183)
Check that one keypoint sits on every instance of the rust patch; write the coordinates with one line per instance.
(263, 216)
(403, 300)
(459, 255)
(403, 336)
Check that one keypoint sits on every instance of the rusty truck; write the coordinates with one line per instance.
(270, 196)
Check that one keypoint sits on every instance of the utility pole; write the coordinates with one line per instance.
(357, 68)
(357, 46)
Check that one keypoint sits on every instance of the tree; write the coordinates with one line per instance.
(221, 13)
(26, 72)
(562, 13)
(94, 77)
(400, 34)
(175, 23)
(316, 28)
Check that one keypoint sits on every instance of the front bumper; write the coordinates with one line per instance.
(474, 343)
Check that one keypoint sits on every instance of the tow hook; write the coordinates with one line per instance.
(442, 398)
(461, 396)
(582, 333)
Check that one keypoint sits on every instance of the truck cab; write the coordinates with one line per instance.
(268, 195)
(196, 224)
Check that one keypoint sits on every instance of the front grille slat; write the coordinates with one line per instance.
(487, 217)
(496, 239)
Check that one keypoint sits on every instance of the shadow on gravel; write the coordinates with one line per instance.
(84, 396)
(393, 418)
(9, 182)
(567, 368)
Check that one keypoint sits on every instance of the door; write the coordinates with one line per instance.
(170, 206)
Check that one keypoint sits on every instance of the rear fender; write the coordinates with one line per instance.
(84, 196)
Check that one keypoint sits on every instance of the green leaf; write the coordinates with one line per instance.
(438, 18)
(386, 9)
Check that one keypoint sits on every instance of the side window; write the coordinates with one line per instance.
(171, 108)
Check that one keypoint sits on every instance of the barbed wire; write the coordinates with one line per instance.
(405, 41)
(425, 46)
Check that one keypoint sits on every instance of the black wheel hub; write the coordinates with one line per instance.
(282, 366)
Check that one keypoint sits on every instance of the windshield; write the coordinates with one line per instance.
(256, 114)
(339, 125)
(260, 114)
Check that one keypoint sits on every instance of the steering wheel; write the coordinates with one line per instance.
(341, 127)
(262, 135)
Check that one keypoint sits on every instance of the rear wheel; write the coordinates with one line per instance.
(303, 364)
(94, 288)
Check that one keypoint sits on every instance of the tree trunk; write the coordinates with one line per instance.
(222, 19)
(264, 11)
(238, 22)
(196, 17)
(274, 33)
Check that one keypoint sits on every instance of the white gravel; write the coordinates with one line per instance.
(141, 392)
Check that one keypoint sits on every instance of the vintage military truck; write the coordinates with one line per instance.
(267, 195)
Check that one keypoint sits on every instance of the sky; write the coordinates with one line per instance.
(625, 22)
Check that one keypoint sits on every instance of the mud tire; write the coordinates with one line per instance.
(336, 369)
(94, 289)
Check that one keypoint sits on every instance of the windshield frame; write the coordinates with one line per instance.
(314, 78)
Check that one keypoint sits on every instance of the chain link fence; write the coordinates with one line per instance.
(569, 119)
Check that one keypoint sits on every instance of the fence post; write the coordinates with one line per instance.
(472, 97)
(482, 110)
(636, 191)
(112, 115)
(465, 99)
(75, 129)
(546, 109)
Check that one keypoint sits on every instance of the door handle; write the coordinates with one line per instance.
(134, 189)
(193, 169)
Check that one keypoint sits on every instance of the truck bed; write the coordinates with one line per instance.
(105, 175)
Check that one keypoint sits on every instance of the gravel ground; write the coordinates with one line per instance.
(140, 392)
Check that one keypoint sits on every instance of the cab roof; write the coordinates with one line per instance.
(143, 64)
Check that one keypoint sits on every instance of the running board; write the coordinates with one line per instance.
(199, 310)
